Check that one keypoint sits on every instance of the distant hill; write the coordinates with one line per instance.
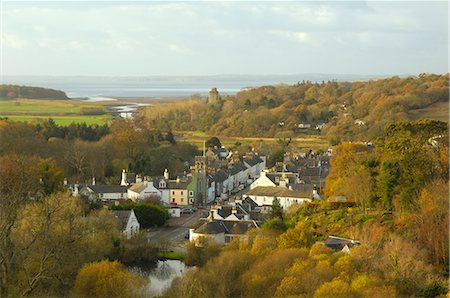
(16, 91)
(338, 110)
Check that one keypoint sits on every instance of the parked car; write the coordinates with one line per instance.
(188, 210)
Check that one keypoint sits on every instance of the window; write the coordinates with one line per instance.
(181, 200)
(181, 192)
(191, 193)
(173, 200)
(173, 192)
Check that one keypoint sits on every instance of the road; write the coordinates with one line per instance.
(175, 230)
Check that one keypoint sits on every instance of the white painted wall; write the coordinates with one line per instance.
(285, 202)
(132, 226)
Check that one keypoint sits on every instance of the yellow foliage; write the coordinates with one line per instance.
(107, 279)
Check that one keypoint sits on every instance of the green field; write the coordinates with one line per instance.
(305, 142)
(63, 112)
(62, 120)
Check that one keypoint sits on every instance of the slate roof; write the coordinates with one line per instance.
(270, 191)
(253, 161)
(291, 176)
(338, 243)
(220, 176)
(226, 211)
(303, 187)
(207, 226)
(103, 188)
(238, 168)
(250, 202)
(173, 184)
(123, 216)
(217, 151)
(130, 178)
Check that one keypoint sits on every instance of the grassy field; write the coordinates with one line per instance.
(438, 111)
(306, 142)
(62, 120)
(63, 112)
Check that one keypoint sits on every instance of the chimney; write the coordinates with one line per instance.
(166, 174)
(233, 210)
(178, 179)
(93, 180)
(124, 178)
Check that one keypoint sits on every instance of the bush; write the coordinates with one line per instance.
(107, 279)
(92, 111)
(148, 215)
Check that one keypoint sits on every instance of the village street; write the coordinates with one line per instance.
(175, 229)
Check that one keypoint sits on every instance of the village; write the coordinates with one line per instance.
(225, 195)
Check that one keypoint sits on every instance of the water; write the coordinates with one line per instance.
(162, 276)
(102, 88)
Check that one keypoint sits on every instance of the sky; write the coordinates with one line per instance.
(113, 38)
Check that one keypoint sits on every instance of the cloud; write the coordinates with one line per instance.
(223, 37)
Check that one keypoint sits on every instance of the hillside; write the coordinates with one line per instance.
(15, 91)
(349, 110)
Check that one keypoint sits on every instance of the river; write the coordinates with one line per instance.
(161, 277)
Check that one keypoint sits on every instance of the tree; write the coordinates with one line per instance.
(52, 240)
(148, 215)
(213, 142)
(18, 182)
(277, 210)
(335, 288)
(107, 279)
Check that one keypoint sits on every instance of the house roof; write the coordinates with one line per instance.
(239, 167)
(123, 216)
(220, 176)
(270, 191)
(103, 188)
(207, 226)
(291, 176)
(338, 243)
(250, 202)
(253, 161)
(173, 184)
(220, 150)
(130, 178)
(139, 187)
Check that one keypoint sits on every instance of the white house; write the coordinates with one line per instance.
(128, 222)
(255, 165)
(162, 185)
(143, 190)
(264, 196)
(104, 192)
(220, 179)
(263, 181)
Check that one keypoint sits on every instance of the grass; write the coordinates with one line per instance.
(197, 138)
(35, 106)
(64, 112)
(438, 111)
(171, 255)
(62, 120)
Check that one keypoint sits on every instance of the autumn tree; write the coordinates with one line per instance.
(107, 279)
